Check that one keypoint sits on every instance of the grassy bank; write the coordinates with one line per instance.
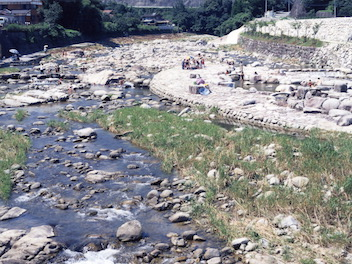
(13, 149)
(9, 70)
(302, 41)
(241, 165)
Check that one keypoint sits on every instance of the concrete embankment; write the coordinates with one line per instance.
(237, 104)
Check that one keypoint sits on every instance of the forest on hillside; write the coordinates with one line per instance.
(67, 18)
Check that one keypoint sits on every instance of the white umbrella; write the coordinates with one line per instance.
(14, 51)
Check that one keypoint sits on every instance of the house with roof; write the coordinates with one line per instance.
(20, 11)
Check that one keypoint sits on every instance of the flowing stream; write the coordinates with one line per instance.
(96, 210)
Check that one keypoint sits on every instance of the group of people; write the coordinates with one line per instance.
(310, 83)
(191, 63)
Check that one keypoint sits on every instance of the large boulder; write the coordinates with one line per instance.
(314, 102)
(129, 231)
(36, 246)
(346, 104)
(345, 120)
(85, 132)
(340, 87)
(338, 112)
(330, 103)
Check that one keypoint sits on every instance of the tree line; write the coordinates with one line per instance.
(219, 17)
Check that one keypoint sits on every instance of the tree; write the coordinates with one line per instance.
(53, 13)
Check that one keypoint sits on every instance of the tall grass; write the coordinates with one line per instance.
(194, 147)
(13, 149)
(20, 114)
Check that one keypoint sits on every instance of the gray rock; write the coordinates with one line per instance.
(300, 181)
(152, 193)
(345, 120)
(85, 132)
(178, 241)
(211, 253)
(261, 259)
(129, 231)
(341, 88)
(346, 104)
(166, 193)
(311, 110)
(162, 246)
(216, 260)
(179, 217)
(14, 212)
(314, 102)
(249, 102)
(338, 112)
(288, 221)
(236, 243)
(330, 103)
(188, 235)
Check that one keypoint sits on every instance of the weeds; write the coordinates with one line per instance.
(9, 70)
(195, 147)
(20, 114)
(13, 149)
(58, 125)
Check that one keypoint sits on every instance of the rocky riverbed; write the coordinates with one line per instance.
(88, 194)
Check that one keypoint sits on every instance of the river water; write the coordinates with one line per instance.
(98, 209)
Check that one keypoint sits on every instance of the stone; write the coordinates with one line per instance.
(97, 176)
(314, 102)
(180, 217)
(330, 103)
(14, 212)
(211, 253)
(85, 132)
(178, 241)
(162, 246)
(166, 193)
(338, 112)
(216, 260)
(346, 104)
(152, 194)
(129, 231)
(249, 102)
(188, 235)
(236, 243)
(288, 221)
(345, 120)
(213, 174)
(251, 246)
(258, 258)
(341, 88)
(311, 110)
(300, 181)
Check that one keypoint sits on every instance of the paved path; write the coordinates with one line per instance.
(174, 84)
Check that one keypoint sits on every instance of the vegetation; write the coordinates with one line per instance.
(20, 114)
(243, 167)
(309, 42)
(13, 149)
(9, 70)
(67, 19)
(58, 125)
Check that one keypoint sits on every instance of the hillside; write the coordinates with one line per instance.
(160, 3)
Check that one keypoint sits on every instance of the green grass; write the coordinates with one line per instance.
(9, 70)
(195, 147)
(13, 149)
(20, 114)
(303, 41)
(58, 125)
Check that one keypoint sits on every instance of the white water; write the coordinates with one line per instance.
(106, 256)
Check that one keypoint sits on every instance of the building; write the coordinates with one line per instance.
(20, 11)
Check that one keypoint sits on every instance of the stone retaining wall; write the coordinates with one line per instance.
(329, 29)
(332, 55)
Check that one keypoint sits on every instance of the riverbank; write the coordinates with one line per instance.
(242, 105)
